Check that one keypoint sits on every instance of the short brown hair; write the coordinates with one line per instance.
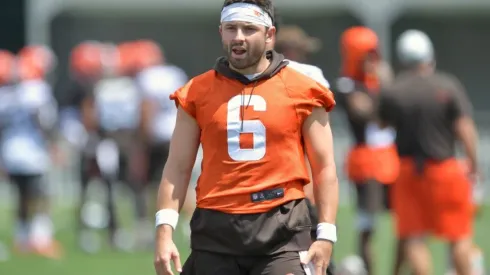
(265, 5)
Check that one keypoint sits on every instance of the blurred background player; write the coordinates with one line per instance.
(433, 194)
(295, 45)
(28, 117)
(118, 112)
(87, 68)
(157, 80)
(7, 88)
(372, 163)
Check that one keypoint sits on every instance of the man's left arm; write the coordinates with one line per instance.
(318, 141)
(319, 149)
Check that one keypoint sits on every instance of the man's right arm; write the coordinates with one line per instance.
(178, 169)
(464, 125)
(467, 133)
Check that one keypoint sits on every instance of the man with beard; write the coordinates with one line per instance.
(251, 216)
(372, 163)
(432, 195)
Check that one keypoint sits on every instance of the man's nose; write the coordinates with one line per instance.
(239, 35)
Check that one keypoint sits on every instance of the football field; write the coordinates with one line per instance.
(107, 262)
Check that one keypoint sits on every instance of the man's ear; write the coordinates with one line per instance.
(220, 29)
(271, 33)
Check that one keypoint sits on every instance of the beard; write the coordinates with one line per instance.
(250, 58)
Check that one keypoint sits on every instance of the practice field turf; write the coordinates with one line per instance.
(108, 262)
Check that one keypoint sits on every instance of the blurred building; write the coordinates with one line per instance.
(12, 20)
(188, 30)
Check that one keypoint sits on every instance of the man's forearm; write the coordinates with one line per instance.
(173, 188)
(171, 197)
(326, 192)
(470, 145)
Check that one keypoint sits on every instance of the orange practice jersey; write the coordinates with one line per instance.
(251, 136)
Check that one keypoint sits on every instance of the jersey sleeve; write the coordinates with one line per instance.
(184, 97)
(315, 96)
(460, 104)
(321, 96)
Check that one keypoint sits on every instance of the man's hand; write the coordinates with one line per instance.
(166, 252)
(319, 253)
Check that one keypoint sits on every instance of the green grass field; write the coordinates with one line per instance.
(109, 262)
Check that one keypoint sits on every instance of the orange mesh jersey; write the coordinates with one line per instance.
(251, 136)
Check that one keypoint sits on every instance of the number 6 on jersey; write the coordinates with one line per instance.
(255, 127)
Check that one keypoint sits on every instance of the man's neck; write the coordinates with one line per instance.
(423, 69)
(258, 68)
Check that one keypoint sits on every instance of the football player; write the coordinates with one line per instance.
(256, 118)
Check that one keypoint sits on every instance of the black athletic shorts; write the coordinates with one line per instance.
(373, 196)
(29, 185)
(158, 158)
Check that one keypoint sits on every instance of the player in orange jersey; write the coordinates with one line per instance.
(255, 118)
(372, 163)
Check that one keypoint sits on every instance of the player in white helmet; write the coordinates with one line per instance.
(432, 196)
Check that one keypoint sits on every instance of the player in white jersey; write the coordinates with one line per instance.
(296, 45)
(28, 117)
(118, 111)
(309, 70)
(87, 67)
(158, 80)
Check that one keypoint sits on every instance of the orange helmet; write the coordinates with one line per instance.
(7, 65)
(127, 58)
(148, 53)
(86, 59)
(137, 55)
(355, 44)
(35, 62)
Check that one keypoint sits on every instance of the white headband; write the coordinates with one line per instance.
(247, 13)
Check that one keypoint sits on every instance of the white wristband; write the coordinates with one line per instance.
(326, 231)
(167, 216)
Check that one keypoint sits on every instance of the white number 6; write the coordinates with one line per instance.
(234, 127)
